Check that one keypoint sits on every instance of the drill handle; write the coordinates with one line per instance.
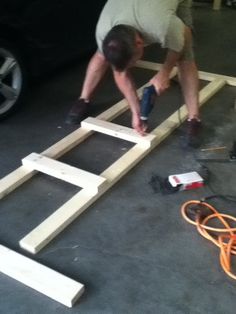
(147, 101)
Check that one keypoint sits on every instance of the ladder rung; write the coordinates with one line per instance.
(64, 172)
(116, 130)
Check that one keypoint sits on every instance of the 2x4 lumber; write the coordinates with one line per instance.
(14, 179)
(64, 172)
(62, 217)
(230, 80)
(216, 4)
(39, 277)
(118, 131)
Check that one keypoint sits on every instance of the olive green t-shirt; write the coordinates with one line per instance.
(159, 21)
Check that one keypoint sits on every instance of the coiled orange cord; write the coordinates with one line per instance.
(224, 238)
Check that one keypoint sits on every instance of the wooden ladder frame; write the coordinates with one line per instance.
(94, 186)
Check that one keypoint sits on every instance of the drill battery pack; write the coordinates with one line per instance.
(147, 101)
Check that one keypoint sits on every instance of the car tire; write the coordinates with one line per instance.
(13, 79)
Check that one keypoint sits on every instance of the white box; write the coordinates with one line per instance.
(186, 181)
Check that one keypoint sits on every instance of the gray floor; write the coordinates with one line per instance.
(131, 249)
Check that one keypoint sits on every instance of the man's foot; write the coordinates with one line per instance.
(192, 136)
(78, 112)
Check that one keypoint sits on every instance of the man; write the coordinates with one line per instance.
(124, 28)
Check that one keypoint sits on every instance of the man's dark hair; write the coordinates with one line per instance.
(119, 46)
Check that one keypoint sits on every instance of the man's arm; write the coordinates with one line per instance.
(128, 89)
(161, 80)
(95, 71)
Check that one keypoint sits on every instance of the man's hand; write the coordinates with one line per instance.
(127, 87)
(161, 81)
(139, 125)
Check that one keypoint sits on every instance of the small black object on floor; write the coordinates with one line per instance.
(162, 185)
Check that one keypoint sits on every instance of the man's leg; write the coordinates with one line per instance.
(188, 76)
(95, 71)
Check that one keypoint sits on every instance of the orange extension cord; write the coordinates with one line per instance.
(224, 238)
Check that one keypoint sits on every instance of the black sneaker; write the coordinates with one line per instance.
(78, 112)
(192, 136)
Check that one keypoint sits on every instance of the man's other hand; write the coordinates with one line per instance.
(161, 81)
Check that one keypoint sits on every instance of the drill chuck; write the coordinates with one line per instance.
(147, 101)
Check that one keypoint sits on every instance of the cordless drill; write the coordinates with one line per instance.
(147, 102)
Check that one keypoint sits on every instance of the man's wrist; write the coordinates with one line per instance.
(166, 69)
(135, 114)
(171, 60)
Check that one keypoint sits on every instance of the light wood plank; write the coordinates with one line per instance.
(39, 277)
(14, 179)
(62, 171)
(62, 217)
(118, 131)
(148, 65)
(216, 4)
(230, 80)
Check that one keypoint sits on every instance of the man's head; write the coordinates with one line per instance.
(122, 46)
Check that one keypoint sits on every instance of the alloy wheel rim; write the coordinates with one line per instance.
(10, 80)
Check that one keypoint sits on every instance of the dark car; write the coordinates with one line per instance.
(39, 35)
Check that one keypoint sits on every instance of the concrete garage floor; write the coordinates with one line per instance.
(131, 249)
